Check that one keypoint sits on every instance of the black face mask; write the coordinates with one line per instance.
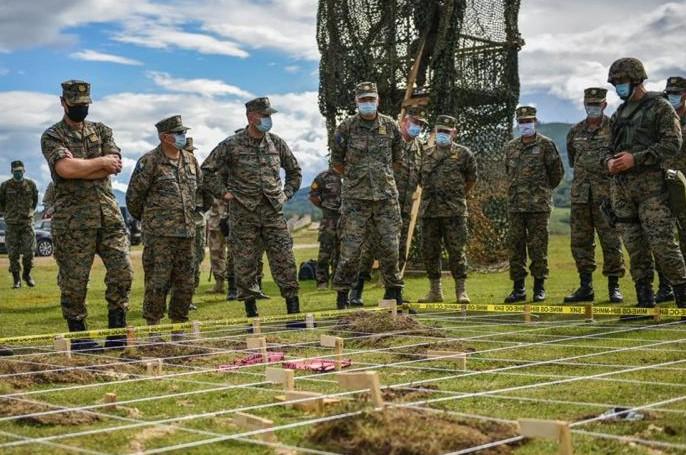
(77, 113)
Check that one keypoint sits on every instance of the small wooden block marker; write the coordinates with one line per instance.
(256, 326)
(62, 346)
(153, 367)
(282, 376)
(252, 422)
(131, 336)
(527, 313)
(459, 357)
(111, 400)
(258, 344)
(553, 430)
(329, 341)
(588, 312)
(309, 321)
(391, 304)
(364, 380)
(195, 330)
(315, 402)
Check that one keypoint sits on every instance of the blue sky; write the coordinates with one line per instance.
(147, 60)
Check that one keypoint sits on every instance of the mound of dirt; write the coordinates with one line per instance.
(381, 323)
(10, 408)
(396, 431)
(169, 353)
(408, 395)
(37, 372)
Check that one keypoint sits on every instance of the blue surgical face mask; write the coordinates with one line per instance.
(180, 140)
(443, 139)
(18, 175)
(624, 90)
(413, 130)
(264, 125)
(527, 129)
(368, 108)
(675, 99)
(594, 111)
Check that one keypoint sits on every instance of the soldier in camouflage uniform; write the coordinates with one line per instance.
(366, 148)
(406, 179)
(49, 201)
(82, 156)
(587, 145)
(244, 170)
(534, 169)
(448, 173)
(216, 240)
(18, 200)
(676, 92)
(162, 193)
(646, 136)
(325, 193)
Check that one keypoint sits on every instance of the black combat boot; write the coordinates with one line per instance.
(261, 295)
(116, 319)
(342, 300)
(518, 293)
(585, 292)
(644, 294)
(251, 307)
(82, 344)
(232, 293)
(356, 293)
(27, 277)
(17, 280)
(613, 291)
(293, 305)
(664, 290)
(539, 289)
(680, 297)
(5, 351)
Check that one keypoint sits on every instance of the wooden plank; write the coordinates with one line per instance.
(256, 326)
(153, 367)
(195, 330)
(131, 336)
(527, 313)
(552, 430)
(62, 346)
(368, 380)
(391, 304)
(111, 400)
(252, 422)
(329, 341)
(309, 321)
(283, 376)
(459, 357)
(588, 312)
(258, 344)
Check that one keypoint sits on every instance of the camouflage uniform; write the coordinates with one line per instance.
(367, 150)
(649, 130)
(162, 194)
(534, 169)
(325, 192)
(87, 219)
(49, 200)
(202, 199)
(248, 169)
(217, 242)
(18, 200)
(446, 174)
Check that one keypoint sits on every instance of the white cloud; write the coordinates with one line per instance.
(205, 87)
(95, 56)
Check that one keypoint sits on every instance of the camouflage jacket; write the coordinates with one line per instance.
(81, 204)
(444, 174)
(216, 213)
(249, 168)
(163, 194)
(407, 175)
(368, 150)
(533, 171)
(49, 197)
(586, 150)
(679, 162)
(18, 200)
(327, 187)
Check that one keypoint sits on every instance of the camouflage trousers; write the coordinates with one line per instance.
(167, 262)
(252, 233)
(199, 250)
(328, 248)
(451, 232)
(369, 254)
(648, 226)
(20, 240)
(75, 250)
(218, 253)
(585, 221)
(361, 219)
(528, 232)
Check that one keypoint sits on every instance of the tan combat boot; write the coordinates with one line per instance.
(218, 285)
(460, 292)
(435, 294)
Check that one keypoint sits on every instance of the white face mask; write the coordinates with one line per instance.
(527, 129)
(594, 110)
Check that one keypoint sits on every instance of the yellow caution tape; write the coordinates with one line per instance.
(553, 309)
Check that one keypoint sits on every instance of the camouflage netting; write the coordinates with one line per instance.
(468, 69)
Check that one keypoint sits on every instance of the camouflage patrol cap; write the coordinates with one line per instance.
(364, 89)
(418, 113)
(595, 95)
(76, 92)
(17, 166)
(261, 104)
(171, 124)
(629, 68)
(676, 84)
(189, 145)
(526, 113)
(446, 122)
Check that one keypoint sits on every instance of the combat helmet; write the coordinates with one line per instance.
(630, 68)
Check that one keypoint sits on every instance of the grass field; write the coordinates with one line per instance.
(553, 368)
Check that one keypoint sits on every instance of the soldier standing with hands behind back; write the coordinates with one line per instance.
(325, 193)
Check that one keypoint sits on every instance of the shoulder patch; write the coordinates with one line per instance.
(139, 166)
(340, 140)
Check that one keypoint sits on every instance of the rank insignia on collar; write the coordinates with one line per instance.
(382, 130)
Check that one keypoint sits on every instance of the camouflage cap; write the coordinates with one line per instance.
(189, 145)
(418, 113)
(17, 165)
(676, 84)
(595, 95)
(446, 122)
(171, 124)
(526, 112)
(629, 68)
(76, 92)
(261, 104)
(364, 89)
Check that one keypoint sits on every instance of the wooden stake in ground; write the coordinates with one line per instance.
(131, 337)
(62, 346)
(554, 430)
(368, 380)
(256, 326)
(329, 341)
(153, 367)
(111, 400)
(258, 344)
(281, 376)
(391, 304)
(195, 330)
(251, 422)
